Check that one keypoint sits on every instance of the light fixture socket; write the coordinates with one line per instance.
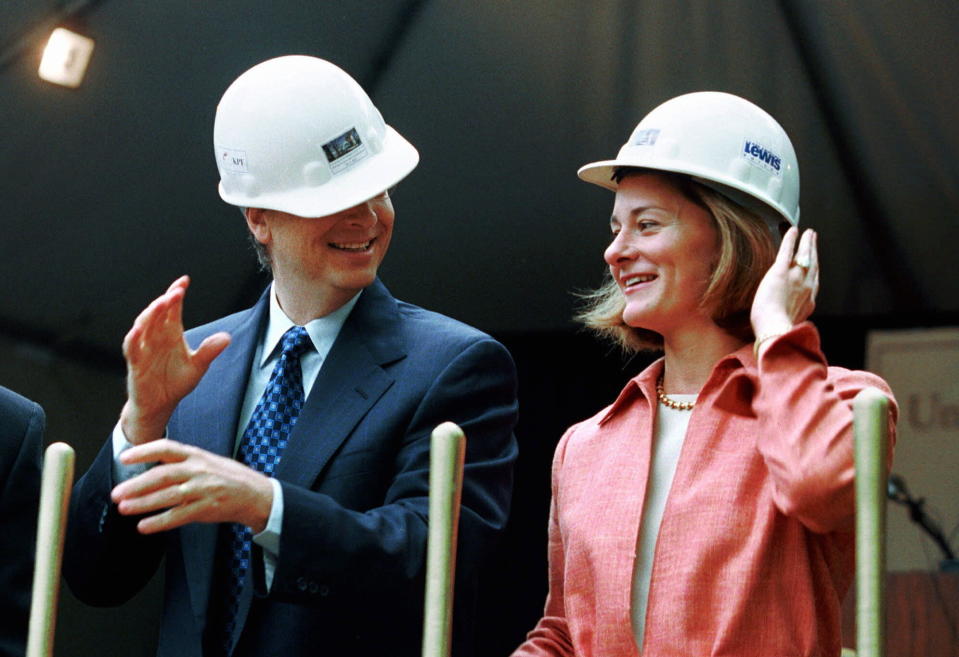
(65, 58)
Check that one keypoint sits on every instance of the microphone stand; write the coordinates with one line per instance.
(897, 492)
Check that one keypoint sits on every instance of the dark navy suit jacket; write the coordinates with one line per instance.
(21, 443)
(349, 575)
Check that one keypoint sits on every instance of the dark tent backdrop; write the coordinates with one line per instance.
(108, 191)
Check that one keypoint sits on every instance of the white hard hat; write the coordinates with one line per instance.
(722, 141)
(299, 135)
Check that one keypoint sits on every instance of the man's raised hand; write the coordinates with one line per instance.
(161, 367)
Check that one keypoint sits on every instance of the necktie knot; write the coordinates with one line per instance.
(294, 342)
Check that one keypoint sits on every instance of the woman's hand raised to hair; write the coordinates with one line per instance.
(787, 294)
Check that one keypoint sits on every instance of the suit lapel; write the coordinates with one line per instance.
(214, 408)
(350, 382)
(208, 419)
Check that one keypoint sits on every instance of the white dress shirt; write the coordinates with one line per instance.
(323, 332)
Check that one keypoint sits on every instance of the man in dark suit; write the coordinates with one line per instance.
(312, 440)
(21, 443)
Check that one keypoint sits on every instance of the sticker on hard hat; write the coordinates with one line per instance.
(645, 137)
(762, 157)
(345, 151)
(233, 160)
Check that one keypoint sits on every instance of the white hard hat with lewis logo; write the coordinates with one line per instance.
(299, 135)
(722, 141)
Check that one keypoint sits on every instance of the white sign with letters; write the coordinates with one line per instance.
(922, 367)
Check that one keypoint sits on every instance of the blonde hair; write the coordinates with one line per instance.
(746, 251)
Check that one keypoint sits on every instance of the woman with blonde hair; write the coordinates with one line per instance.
(708, 511)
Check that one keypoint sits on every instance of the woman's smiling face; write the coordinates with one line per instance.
(663, 252)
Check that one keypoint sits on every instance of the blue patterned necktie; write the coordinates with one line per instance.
(261, 448)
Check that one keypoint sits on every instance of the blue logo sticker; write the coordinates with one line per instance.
(762, 157)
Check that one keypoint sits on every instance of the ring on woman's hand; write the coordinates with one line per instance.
(802, 263)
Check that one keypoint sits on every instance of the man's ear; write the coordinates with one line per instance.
(256, 221)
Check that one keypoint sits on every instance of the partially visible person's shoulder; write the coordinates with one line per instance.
(22, 422)
(16, 408)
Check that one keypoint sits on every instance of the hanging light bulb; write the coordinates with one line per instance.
(65, 58)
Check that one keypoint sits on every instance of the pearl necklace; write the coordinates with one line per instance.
(671, 403)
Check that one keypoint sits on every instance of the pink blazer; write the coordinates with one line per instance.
(755, 550)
